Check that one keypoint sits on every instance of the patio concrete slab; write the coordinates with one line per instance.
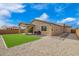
(46, 46)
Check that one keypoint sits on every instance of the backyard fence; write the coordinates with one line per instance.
(77, 32)
(10, 31)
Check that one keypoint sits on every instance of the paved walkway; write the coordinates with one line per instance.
(48, 45)
(2, 46)
(1, 43)
(72, 36)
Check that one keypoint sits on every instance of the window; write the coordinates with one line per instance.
(43, 28)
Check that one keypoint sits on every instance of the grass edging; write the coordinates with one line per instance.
(14, 40)
(3, 41)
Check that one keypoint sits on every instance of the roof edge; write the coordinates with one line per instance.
(49, 22)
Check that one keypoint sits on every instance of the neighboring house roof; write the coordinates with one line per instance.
(25, 24)
(51, 23)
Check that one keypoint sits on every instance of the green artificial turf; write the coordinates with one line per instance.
(17, 39)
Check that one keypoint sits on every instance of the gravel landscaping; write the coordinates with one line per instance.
(47, 46)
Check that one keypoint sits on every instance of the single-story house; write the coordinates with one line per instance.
(44, 27)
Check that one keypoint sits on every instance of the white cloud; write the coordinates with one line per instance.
(69, 19)
(44, 17)
(6, 23)
(77, 22)
(39, 6)
(4, 12)
(6, 9)
(66, 20)
(58, 9)
(2, 23)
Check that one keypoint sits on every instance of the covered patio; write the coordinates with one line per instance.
(26, 28)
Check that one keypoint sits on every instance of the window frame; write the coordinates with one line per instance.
(43, 28)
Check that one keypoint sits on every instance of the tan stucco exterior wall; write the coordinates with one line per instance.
(38, 25)
(51, 28)
(57, 30)
(68, 30)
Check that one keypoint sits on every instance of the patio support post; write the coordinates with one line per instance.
(64, 28)
(19, 30)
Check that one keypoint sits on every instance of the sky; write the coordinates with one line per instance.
(11, 14)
